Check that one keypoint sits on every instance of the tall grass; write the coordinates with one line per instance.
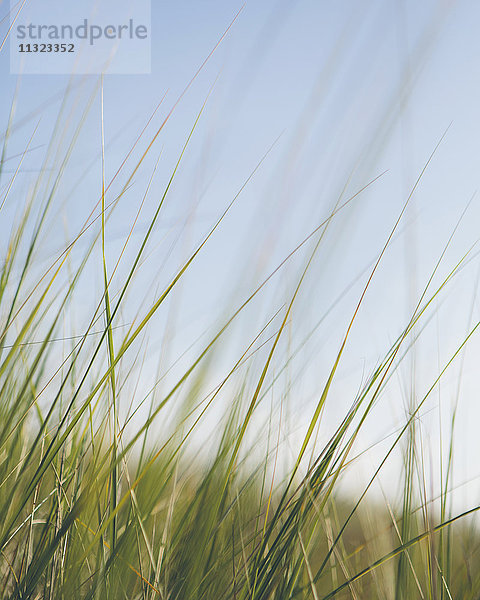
(101, 497)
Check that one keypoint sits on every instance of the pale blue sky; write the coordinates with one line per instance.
(352, 89)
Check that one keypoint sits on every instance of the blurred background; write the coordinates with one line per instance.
(309, 105)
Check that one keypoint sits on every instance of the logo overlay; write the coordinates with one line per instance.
(81, 37)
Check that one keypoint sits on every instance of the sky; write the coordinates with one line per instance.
(330, 97)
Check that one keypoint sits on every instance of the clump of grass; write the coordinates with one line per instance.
(100, 498)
